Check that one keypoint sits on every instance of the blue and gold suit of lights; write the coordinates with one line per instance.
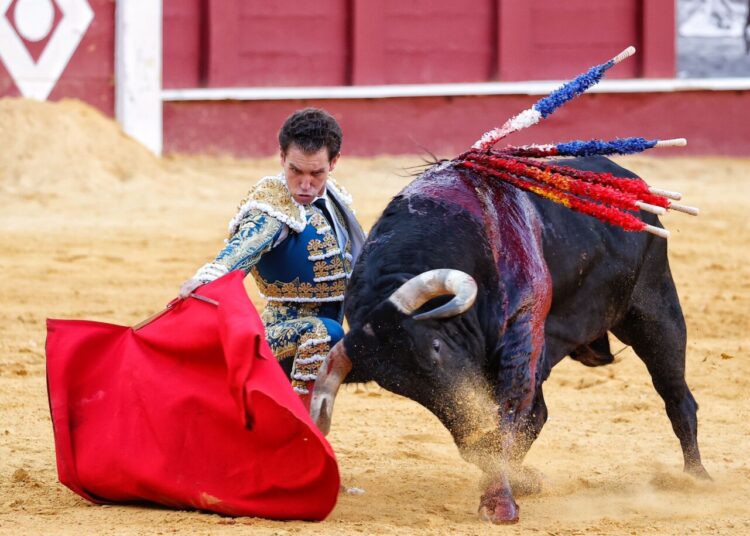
(299, 267)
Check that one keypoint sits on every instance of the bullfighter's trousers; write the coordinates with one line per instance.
(305, 332)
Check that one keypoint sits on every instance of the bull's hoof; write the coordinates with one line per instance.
(698, 471)
(500, 510)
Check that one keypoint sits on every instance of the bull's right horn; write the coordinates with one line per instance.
(331, 375)
(428, 285)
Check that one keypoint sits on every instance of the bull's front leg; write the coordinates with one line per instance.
(471, 415)
(487, 449)
(520, 415)
(493, 448)
(526, 480)
(517, 370)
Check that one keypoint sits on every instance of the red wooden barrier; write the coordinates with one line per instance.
(715, 122)
(183, 43)
(254, 43)
(541, 40)
(221, 43)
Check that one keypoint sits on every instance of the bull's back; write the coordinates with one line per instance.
(452, 218)
(508, 221)
(594, 267)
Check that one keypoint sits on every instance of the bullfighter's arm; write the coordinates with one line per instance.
(257, 234)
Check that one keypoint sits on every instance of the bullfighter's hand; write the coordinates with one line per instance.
(189, 286)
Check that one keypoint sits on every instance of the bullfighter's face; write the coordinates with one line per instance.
(306, 173)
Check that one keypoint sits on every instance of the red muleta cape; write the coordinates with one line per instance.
(190, 411)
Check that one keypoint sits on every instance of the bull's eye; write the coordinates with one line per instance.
(436, 346)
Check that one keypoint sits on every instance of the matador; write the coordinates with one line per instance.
(297, 235)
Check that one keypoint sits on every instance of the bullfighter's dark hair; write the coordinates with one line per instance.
(311, 129)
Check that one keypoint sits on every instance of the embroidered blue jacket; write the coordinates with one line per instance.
(306, 265)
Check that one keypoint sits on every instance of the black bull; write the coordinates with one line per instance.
(549, 283)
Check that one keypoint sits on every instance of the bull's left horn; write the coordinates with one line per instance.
(331, 375)
(428, 285)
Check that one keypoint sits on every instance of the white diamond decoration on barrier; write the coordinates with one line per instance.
(32, 17)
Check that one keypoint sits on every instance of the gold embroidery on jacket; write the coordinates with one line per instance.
(330, 267)
(343, 195)
(296, 289)
(271, 195)
(318, 221)
(254, 237)
(296, 331)
(348, 258)
(327, 246)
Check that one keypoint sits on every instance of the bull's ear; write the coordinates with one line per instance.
(361, 341)
(383, 315)
(380, 324)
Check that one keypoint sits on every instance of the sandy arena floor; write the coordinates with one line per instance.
(92, 227)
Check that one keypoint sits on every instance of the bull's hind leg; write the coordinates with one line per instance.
(655, 327)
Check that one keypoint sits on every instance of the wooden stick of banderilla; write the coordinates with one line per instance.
(693, 211)
(665, 193)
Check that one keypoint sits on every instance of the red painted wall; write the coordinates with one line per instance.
(216, 43)
(543, 40)
(253, 43)
(234, 43)
(182, 42)
(90, 73)
(715, 122)
(438, 41)
(290, 43)
(220, 43)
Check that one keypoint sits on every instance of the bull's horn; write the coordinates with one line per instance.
(330, 376)
(428, 285)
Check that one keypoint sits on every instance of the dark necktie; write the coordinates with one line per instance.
(321, 204)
